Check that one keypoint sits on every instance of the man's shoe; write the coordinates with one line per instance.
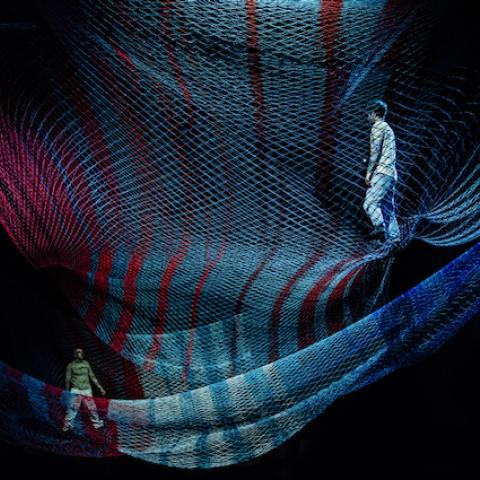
(376, 234)
(99, 425)
(395, 245)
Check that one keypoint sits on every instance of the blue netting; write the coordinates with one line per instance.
(192, 174)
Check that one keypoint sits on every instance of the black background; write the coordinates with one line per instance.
(420, 422)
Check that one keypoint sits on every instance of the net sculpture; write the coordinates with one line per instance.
(192, 176)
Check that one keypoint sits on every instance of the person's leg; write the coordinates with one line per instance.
(388, 207)
(72, 410)
(373, 198)
(92, 410)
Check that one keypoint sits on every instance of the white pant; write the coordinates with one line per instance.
(84, 396)
(380, 205)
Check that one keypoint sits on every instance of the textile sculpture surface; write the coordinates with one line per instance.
(191, 175)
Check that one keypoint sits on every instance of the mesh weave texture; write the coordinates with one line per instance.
(191, 173)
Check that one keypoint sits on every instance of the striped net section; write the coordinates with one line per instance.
(192, 176)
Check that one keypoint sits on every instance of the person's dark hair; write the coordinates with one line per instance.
(379, 107)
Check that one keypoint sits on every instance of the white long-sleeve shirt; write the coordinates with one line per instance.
(382, 150)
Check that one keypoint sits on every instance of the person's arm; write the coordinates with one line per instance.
(68, 376)
(376, 143)
(94, 380)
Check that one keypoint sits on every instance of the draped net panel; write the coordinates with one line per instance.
(191, 175)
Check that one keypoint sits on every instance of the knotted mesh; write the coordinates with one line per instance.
(192, 174)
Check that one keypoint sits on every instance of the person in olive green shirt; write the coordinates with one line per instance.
(78, 378)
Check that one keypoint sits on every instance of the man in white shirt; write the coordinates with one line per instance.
(381, 176)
